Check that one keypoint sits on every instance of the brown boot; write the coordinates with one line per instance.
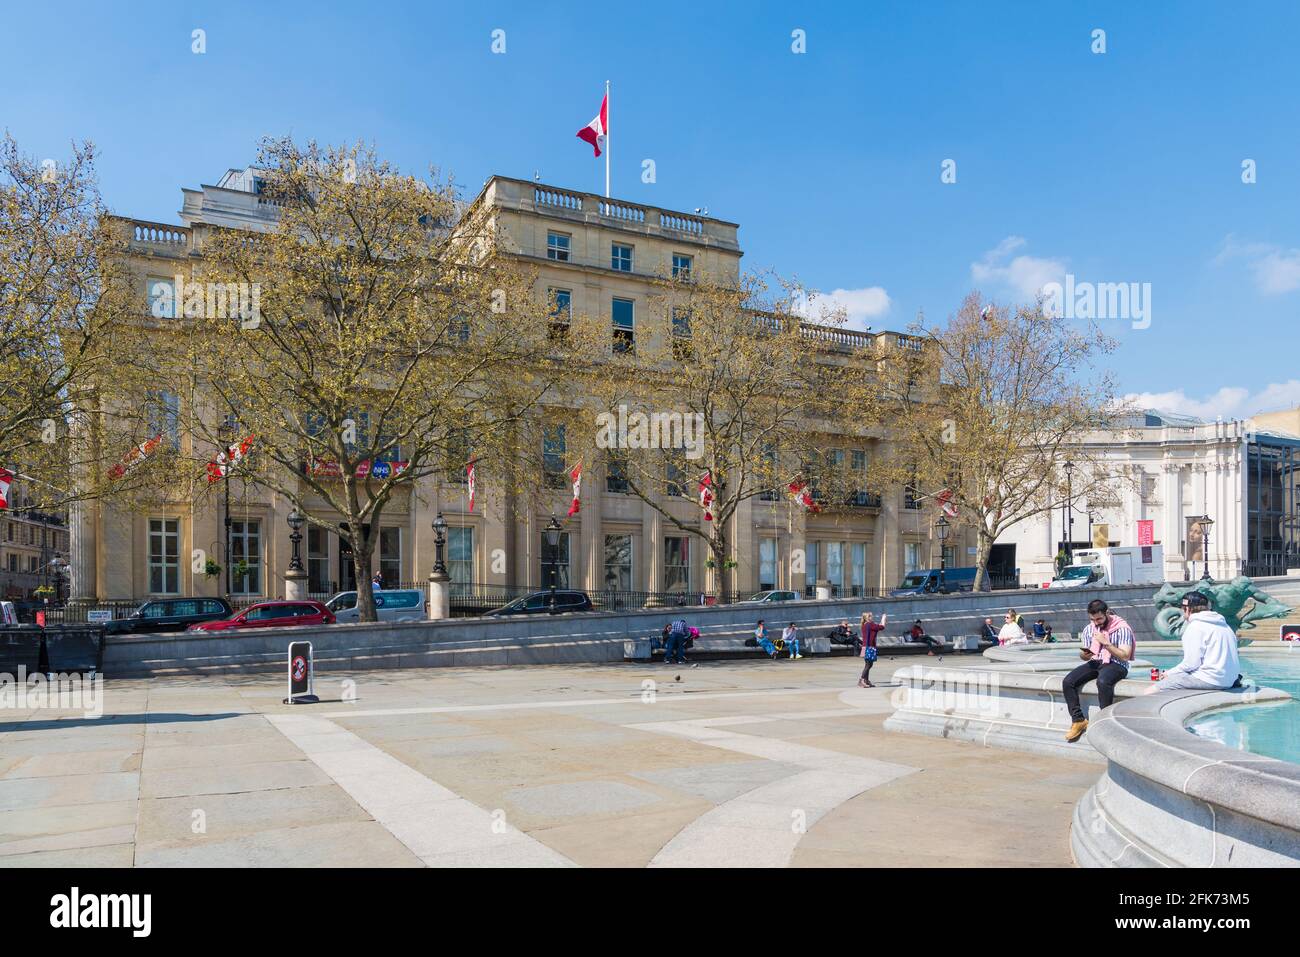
(1076, 731)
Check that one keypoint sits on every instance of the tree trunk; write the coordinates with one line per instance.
(982, 551)
(361, 555)
(718, 549)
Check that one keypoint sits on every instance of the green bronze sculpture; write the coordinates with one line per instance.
(1227, 598)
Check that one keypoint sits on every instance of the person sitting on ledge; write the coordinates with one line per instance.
(1012, 633)
(1210, 661)
(1111, 645)
(989, 633)
(918, 634)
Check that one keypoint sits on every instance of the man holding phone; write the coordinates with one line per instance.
(1109, 649)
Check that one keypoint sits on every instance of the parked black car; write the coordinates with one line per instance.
(539, 603)
(170, 614)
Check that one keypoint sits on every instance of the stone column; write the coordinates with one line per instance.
(81, 546)
(295, 584)
(439, 595)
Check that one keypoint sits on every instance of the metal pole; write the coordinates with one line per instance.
(608, 138)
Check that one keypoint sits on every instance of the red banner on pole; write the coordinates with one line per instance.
(1146, 531)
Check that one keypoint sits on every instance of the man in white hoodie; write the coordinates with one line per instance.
(1210, 661)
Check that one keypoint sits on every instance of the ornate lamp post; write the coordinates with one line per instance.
(1205, 523)
(553, 542)
(439, 600)
(439, 543)
(1069, 507)
(295, 578)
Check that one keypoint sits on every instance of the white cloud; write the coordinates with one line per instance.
(1230, 402)
(1276, 270)
(857, 305)
(1022, 275)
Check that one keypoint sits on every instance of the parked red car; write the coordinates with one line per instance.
(272, 614)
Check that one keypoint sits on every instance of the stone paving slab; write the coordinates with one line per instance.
(536, 766)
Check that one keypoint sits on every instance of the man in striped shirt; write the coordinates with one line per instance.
(1110, 648)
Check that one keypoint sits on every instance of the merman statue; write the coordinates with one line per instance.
(1227, 598)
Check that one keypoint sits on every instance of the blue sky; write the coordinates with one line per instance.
(1122, 166)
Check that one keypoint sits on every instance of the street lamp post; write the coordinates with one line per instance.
(1206, 522)
(1069, 506)
(295, 578)
(941, 526)
(439, 580)
(553, 542)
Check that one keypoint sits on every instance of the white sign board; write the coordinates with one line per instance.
(96, 616)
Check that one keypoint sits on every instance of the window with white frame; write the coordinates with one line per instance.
(318, 561)
(164, 556)
(620, 257)
(766, 564)
(558, 247)
(623, 313)
(681, 266)
(911, 557)
(460, 557)
(246, 547)
(858, 569)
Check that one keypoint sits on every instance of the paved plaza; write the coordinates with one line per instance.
(749, 763)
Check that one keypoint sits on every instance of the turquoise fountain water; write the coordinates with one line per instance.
(1269, 730)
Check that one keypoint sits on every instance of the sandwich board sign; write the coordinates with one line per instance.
(301, 684)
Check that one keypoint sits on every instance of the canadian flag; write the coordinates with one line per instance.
(706, 496)
(801, 492)
(469, 479)
(135, 456)
(576, 475)
(226, 460)
(944, 499)
(596, 131)
(6, 479)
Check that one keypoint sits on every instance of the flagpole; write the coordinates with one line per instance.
(607, 139)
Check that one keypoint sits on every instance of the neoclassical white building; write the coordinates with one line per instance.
(1176, 469)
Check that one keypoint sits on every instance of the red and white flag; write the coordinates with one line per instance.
(469, 480)
(944, 498)
(6, 479)
(596, 131)
(801, 492)
(707, 496)
(227, 460)
(576, 475)
(135, 456)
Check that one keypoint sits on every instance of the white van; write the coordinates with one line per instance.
(405, 604)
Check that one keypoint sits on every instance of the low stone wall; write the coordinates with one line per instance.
(592, 637)
(1172, 799)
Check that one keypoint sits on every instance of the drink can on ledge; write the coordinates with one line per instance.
(1155, 674)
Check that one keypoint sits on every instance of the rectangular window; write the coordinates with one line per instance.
(557, 247)
(911, 557)
(620, 257)
(835, 567)
(555, 563)
(164, 556)
(616, 473)
(561, 310)
(162, 297)
(246, 547)
(681, 333)
(318, 561)
(675, 473)
(390, 556)
(164, 418)
(677, 564)
(812, 568)
(460, 557)
(458, 328)
(623, 313)
(949, 556)
(618, 562)
(553, 453)
(766, 564)
(858, 569)
(681, 266)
